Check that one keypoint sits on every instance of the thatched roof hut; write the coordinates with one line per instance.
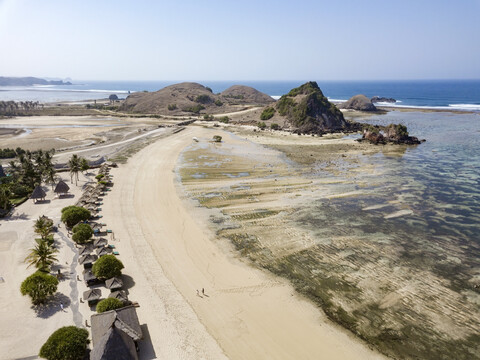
(38, 193)
(61, 188)
(92, 296)
(100, 242)
(114, 283)
(120, 295)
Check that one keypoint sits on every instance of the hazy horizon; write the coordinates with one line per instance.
(257, 41)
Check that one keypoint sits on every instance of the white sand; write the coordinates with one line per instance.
(248, 314)
(22, 330)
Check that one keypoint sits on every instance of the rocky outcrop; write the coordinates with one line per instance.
(246, 95)
(393, 133)
(358, 102)
(378, 99)
(308, 111)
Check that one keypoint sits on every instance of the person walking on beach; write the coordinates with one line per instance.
(203, 291)
(61, 306)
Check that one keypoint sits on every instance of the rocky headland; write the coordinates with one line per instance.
(380, 99)
(29, 81)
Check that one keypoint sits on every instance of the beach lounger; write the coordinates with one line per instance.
(115, 252)
(111, 246)
(109, 231)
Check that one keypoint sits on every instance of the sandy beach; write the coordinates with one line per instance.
(245, 312)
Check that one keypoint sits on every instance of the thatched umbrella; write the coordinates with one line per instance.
(84, 250)
(87, 260)
(114, 283)
(119, 294)
(38, 193)
(92, 296)
(61, 188)
(89, 278)
(101, 242)
(103, 251)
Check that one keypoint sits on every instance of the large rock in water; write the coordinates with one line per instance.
(358, 102)
(308, 111)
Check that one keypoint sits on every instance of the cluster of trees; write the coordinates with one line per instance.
(29, 171)
(8, 153)
(73, 215)
(13, 108)
(66, 343)
(41, 285)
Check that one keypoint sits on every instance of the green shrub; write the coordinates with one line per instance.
(261, 125)
(39, 286)
(267, 113)
(224, 119)
(195, 109)
(274, 126)
(99, 176)
(109, 304)
(218, 102)
(107, 266)
(209, 89)
(172, 107)
(82, 233)
(203, 99)
(217, 138)
(208, 117)
(67, 343)
(72, 215)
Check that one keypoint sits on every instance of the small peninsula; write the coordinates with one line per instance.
(29, 81)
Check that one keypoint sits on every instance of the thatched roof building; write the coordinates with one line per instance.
(89, 278)
(61, 188)
(84, 250)
(38, 193)
(114, 345)
(114, 334)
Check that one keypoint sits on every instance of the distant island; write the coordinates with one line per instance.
(29, 80)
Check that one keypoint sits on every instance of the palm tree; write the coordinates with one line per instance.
(41, 256)
(43, 226)
(74, 164)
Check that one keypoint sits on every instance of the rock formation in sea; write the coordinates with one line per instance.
(192, 98)
(393, 133)
(358, 102)
(378, 99)
(308, 111)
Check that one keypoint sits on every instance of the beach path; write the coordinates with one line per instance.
(246, 313)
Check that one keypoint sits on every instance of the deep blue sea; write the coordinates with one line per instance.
(448, 94)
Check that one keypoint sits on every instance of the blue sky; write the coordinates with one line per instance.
(240, 40)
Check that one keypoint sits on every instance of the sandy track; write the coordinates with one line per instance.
(170, 254)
